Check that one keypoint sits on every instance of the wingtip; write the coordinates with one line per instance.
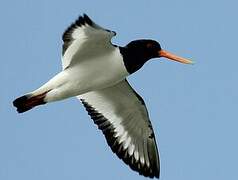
(87, 19)
(85, 15)
(157, 175)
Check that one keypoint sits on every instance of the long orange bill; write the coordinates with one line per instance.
(166, 54)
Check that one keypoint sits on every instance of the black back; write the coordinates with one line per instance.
(137, 52)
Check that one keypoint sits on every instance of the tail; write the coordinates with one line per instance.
(27, 102)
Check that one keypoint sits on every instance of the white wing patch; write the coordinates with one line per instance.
(81, 36)
(122, 116)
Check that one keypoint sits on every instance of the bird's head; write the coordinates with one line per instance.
(149, 49)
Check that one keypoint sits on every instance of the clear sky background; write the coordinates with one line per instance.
(193, 108)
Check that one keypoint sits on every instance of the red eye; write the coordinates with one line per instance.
(149, 45)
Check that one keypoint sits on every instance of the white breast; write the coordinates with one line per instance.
(99, 71)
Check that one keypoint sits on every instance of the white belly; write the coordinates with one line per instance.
(99, 72)
(88, 75)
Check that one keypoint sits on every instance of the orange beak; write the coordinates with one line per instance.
(166, 54)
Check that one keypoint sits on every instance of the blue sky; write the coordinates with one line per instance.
(193, 109)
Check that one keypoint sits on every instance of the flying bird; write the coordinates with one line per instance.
(95, 70)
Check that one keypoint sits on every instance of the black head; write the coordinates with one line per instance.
(146, 48)
(137, 52)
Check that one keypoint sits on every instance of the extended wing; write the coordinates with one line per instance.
(122, 116)
(83, 39)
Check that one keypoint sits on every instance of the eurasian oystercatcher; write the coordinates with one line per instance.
(95, 71)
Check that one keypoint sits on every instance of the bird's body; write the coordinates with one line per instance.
(90, 73)
(89, 62)
(95, 70)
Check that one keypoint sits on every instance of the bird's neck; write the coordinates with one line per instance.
(133, 58)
